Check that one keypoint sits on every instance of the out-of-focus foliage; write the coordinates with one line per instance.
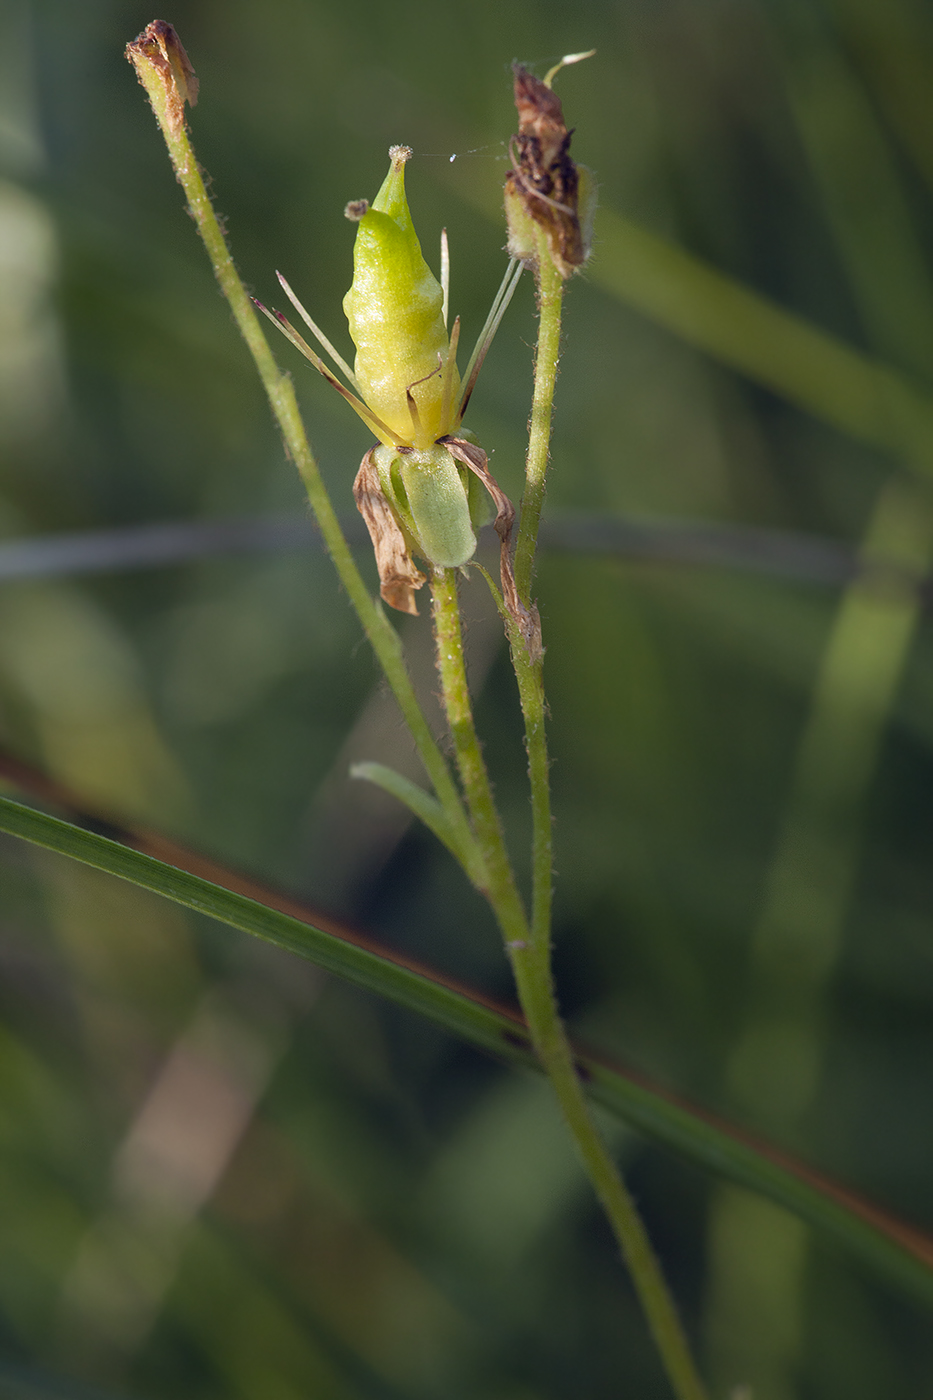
(222, 1175)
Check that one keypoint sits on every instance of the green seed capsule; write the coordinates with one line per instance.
(427, 492)
(395, 312)
(427, 488)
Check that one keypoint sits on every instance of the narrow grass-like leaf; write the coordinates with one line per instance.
(888, 1247)
(810, 367)
(29, 1383)
(806, 365)
(426, 808)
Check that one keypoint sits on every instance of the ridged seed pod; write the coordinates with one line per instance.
(395, 311)
(427, 486)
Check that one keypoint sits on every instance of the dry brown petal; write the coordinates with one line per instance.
(398, 575)
(543, 178)
(160, 46)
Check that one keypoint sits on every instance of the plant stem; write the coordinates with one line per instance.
(550, 298)
(281, 395)
(529, 951)
(530, 679)
(532, 968)
(532, 965)
(500, 888)
(529, 671)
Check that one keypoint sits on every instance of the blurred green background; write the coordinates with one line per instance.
(223, 1175)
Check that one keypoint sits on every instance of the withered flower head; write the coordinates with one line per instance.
(544, 189)
(164, 69)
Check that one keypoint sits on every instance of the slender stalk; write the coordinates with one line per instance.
(529, 950)
(532, 965)
(550, 300)
(166, 101)
(535, 984)
(529, 674)
(532, 969)
(501, 889)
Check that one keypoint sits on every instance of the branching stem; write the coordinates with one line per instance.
(479, 837)
(529, 951)
(281, 394)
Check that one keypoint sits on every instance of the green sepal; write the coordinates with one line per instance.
(480, 502)
(482, 509)
(426, 491)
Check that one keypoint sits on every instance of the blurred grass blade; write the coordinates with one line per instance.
(781, 553)
(28, 1383)
(161, 544)
(887, 1247)
(809, 899)
(716, 313)
(807, 366)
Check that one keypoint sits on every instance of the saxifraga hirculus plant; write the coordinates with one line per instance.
(417, 490)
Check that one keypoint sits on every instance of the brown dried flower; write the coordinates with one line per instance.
(158, 52)
(545, 189)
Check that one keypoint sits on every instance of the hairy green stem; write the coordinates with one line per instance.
(533, 978)
(529, 674)
(281, 394)
(550, 298)
(532, 964)
(500, 888)
(529, 669)
(529, 951)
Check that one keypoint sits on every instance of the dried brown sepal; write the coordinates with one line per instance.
(398, 575)
(543, 186)
(527, 620)
(159, 46)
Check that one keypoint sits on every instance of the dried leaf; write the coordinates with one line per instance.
(398, 575)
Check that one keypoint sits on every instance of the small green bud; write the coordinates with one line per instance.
(395, 311)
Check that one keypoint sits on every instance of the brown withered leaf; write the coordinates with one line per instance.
(543, 177)
(398, 575)
(526, 619)
(160, 46)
